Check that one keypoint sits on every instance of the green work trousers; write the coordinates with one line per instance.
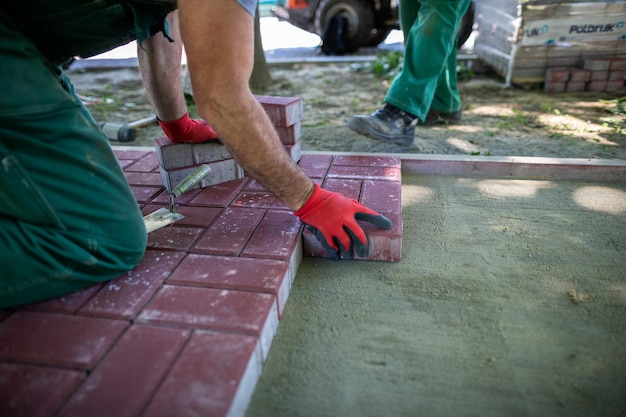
(428, 79)
(68, 218)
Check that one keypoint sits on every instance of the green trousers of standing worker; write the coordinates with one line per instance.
(428, 78)
(68, 218)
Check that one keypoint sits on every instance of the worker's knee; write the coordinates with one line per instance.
(121, 248)
(115, 246)
(44, 262)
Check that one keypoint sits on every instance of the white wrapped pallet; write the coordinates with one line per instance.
(522, 39)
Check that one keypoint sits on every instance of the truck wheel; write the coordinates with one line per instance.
(358, 17)
(377, 36)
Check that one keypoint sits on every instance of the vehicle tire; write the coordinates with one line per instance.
(377, 36)
(359, 19)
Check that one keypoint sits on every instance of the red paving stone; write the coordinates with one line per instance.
(186, 332)
(34, 391)
(230, 232)
(214, 376)
(132, 365)
(57, 340)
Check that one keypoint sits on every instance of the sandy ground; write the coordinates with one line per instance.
(510, 300)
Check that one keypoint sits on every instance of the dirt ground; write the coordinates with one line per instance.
(509, 301)
(496, 121)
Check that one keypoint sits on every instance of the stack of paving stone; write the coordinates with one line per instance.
(520, 40)
(178, 160)
(595, 75)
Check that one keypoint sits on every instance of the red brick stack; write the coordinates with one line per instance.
(178, 160)
(595, 75)
(286, 116)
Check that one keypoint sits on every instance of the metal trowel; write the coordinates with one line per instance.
(163, 216)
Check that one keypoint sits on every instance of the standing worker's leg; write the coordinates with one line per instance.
(429, 43)
(447, 99)
(428, 71)
(68, 218)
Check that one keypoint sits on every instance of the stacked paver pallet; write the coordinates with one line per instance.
(595, 75)
(178, 160)
(520, 40)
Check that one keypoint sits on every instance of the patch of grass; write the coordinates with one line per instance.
(520, 118)
(505, 124)
(354, 104)
(107, 104)
(546, 107)
(515, 122)
(191, 104)
(611, 122)
(386, 65)
(319, 101)
(618, 129)
(556, 135)
(317, 124)
(620, 105)
(463, 73)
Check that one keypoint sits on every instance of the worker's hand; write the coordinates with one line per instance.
(332, 218)
(186, 130)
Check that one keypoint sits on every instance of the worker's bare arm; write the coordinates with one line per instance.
(159, 66)
(219, 42)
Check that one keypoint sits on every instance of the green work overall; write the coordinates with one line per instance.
(428, 79)
(68, 218)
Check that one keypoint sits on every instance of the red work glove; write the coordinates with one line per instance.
(332, 218)
(186, 130)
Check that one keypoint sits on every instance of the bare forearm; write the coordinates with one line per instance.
(253, 142)
(222, 32)
(159, 66)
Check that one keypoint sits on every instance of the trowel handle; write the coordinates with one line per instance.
(191, 180)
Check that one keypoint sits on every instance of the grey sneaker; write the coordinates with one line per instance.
(389, 124)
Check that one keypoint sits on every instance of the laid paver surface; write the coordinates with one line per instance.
(187, 331)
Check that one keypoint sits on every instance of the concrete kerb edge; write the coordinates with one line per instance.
(517, 167)
(523, 167)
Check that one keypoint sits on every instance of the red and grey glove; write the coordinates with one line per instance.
(186, 130)
(332, 218)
